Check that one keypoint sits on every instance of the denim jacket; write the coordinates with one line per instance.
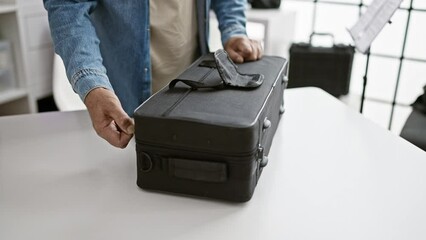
(105, 43)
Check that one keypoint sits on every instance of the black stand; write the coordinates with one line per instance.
(401, 61)
(364, 85)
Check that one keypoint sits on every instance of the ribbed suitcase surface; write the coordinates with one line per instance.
(210, 142)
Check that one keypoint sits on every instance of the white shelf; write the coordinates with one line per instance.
(7, 8)
(24, 24)
(11, 95)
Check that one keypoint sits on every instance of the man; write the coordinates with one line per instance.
(116, 52)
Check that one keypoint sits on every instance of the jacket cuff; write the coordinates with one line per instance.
(232, 31)
(86, 80)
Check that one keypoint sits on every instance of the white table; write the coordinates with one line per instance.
(332, 175)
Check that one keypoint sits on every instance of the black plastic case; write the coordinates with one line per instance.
(328, 68)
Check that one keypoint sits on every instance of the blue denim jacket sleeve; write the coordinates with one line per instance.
(231, 17)
(75, 40)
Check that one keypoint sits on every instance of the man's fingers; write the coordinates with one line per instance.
(260, 52)
(256, 52)
(253, 54)
(259, 48)
(108, 117)
(114, 136)
(124, 122)
(124, 139)
(236, 57)
(244, 48)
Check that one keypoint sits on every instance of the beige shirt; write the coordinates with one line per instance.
(174, 42)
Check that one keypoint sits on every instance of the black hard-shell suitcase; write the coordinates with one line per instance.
(210, 142)
(328, 68)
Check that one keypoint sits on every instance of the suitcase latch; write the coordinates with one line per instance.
(266, 124)
(261, 158)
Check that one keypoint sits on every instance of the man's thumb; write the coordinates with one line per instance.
(125, 123)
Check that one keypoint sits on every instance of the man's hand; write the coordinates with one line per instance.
(242, 49)
(108, 117)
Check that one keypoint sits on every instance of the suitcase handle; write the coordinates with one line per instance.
(198, 170)
(321, 34)
(228, 73)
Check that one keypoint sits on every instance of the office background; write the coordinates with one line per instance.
(24, 24)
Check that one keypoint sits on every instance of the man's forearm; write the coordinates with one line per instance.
(231, 17)
(75, 40)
